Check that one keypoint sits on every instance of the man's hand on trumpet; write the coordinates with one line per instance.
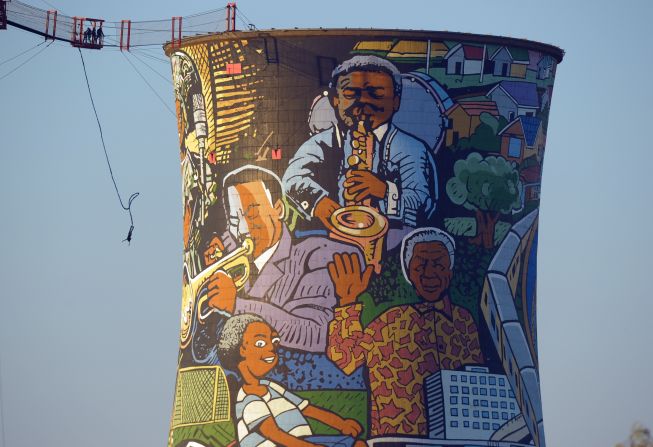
(214, 251)
(222, 292)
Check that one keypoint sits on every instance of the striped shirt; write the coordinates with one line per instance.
(284, 406)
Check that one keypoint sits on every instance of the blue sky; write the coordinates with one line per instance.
(88, 325)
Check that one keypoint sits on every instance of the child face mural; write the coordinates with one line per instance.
(430, 270)
(259, 349)
(367, 96)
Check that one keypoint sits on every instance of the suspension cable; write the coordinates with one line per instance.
(25, 62)
(149, 85)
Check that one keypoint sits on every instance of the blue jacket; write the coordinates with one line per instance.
(404, 163)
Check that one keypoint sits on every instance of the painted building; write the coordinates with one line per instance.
(464, 117)
(545, 67)
(510, 62)
(500, 313)
(515, 98)
(469, 405)
(522, 138)
(531, 178)
(464, 60)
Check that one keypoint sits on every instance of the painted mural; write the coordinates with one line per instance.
(360, 220)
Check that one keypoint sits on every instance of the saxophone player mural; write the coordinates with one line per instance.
(360, 238)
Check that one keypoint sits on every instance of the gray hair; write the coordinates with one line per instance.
(367, 63)
(231, 339)
(430, 234)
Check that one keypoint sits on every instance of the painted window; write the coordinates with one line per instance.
(514, 148)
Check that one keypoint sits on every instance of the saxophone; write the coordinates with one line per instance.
(359, 223)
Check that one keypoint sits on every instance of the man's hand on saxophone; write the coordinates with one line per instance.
(363, 184)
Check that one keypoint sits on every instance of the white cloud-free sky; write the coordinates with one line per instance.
(88, 325)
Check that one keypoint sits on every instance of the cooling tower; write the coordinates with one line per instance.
(360, 225)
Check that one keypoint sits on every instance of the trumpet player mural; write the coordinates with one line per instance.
(360, 236)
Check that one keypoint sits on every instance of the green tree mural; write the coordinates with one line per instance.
(487, 185)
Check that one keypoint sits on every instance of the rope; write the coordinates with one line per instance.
(31, 57)
(152, 69)
(51, 5)
(142, 52)
(106, 155)
(149, 85)
(244, 19)
(20, 54)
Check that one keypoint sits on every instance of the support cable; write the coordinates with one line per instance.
(52, 6)
(106, 155)
(243, 18)
(148, 55)
(21, 53)
(149, 85)
(26, 61)
(152, 69)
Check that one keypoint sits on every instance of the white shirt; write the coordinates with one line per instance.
(265, 257)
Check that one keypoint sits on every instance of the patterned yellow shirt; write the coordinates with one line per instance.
(400, 348)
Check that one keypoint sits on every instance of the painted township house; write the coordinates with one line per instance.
(509, 62)
(545, 67)
(464, 118)
(522, 138)
(464, 60)
(515, 98)
(531, 181)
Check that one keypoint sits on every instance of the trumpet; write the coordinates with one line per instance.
(235, 264)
